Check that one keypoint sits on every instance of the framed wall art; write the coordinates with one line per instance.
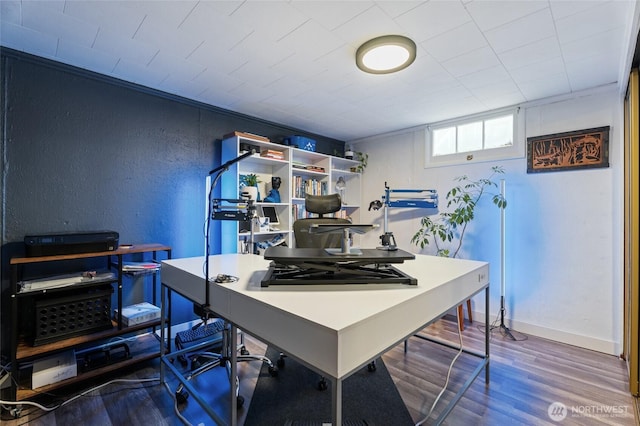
(581, 149)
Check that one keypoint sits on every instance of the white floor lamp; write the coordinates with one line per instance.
(503, 282)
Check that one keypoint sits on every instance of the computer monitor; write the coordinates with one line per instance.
(270, 212)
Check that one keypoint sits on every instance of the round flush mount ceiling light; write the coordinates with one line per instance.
(386, 54)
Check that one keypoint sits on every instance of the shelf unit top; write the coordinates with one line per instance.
(123, 249)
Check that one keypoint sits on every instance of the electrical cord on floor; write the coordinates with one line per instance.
(175, 405)
(448, 376)
(494, 325)
(49, 409)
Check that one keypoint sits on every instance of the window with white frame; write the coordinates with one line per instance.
(483, 137)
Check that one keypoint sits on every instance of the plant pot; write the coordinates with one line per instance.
(252, 191)
(348, 155)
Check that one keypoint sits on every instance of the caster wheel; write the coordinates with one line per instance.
(244, 351)
(239, 401)
(322, 385)
(16, 412)
(371, 366)
(182, 397)
(273, 371)
(280, 362)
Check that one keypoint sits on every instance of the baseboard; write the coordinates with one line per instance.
(586, 342)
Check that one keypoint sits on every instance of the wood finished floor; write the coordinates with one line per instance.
(526, 377)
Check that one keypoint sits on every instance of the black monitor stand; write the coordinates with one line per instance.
(296, 266)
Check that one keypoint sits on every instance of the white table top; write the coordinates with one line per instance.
(333, 328)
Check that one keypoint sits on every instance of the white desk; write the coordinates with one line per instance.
(333, 329)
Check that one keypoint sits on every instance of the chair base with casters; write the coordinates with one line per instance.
(218, 332)
(306, 238)
(322, 382)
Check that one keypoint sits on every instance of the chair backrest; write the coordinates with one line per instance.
(320, 205)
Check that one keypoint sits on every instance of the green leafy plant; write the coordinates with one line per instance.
(249, 180)
(363, 159)
(449, 226)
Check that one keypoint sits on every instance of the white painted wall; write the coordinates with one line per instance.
(563, 229)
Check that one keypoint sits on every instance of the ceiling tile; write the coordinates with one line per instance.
(604, 43)
(521, 32)
(491, 14)
(327, 16)
(371, 23)
(564, 8)
(124, 47)
(395, 8)
(138, 73)
(175, 65)
(156, 33)
(310, 40)
(471, 62)
(169, 14)
(11, 12)
(47, 20)
(106, 15)
(283, 18)
(459, 41)
(17, 37)
(85, 57)
(433, 18)
(599, 77)
(497, 90)
(538, 51)
(292, 61)
(486, 77)
(538, 71)
(593, 21)
(545, 87)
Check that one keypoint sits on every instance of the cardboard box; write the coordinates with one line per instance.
(138, 313)
(54, 369)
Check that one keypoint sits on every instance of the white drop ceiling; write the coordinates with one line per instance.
(292, 62)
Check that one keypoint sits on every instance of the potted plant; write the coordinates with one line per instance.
(249, 184)
(363, 159)
(348, 153)
(450, 227)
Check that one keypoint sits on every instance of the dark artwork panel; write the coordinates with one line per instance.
(568, 151)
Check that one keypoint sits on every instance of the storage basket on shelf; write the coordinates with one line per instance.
(73, 313)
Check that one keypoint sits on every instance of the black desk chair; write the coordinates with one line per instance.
(217, 332)
(320, 205)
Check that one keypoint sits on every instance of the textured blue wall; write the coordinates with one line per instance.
(86, 152)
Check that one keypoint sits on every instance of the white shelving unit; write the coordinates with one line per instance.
(318, 171)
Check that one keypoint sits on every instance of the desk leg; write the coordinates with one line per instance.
(233, 382)
(165, 327)
(162, 331)
(487, 333)
(336, 403)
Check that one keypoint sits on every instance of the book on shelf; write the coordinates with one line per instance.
(246, 135)
(140, 266)
(309, 167)
(66, 280)
(302, 186)
(315, 168)
(272, 153)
